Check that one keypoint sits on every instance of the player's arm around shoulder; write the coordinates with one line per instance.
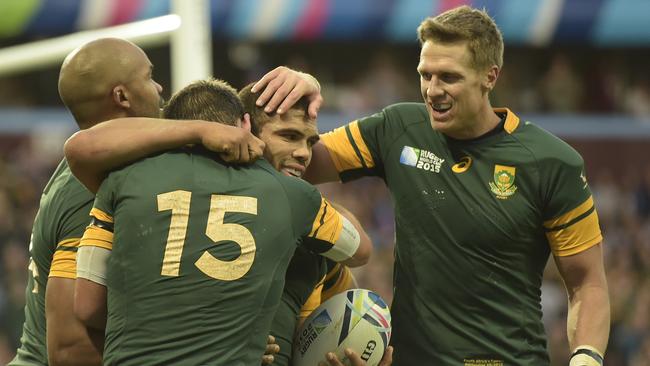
(94, 152)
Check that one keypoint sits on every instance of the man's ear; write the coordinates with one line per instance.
(120, 98)
(246, 122)
(491, 77)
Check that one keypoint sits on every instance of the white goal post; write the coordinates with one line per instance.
(187, 30)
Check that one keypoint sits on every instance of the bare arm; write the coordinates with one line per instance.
(94, 152)
(589, 315)
(69, 342)
(321, 169)
(90, 303)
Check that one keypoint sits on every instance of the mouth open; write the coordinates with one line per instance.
(440, 111)
(292, 172)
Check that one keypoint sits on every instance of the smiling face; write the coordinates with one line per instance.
(289, 139)
(455, 93)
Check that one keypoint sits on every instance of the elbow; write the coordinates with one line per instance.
(57, 357)
(61, 356)
(74, 150)
(362, 255)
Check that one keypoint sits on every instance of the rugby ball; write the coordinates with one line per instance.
(358, 319)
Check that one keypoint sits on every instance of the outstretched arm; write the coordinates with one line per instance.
(589, 315)
(94, 152)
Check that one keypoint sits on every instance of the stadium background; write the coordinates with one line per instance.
(577, 67)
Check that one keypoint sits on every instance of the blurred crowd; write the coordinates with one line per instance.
(623, 204)
(358, 78)
(532, 81)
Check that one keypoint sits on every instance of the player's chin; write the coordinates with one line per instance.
(442, 125)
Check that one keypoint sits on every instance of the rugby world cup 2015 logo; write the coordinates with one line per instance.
(421, 159)
(503, 185)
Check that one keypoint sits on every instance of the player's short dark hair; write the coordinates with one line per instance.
(258, 116)
(210, 100)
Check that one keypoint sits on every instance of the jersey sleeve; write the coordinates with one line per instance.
(70, 229)
(570, 217)
(355, 149)
(322, 228)
(339, 278)
(360, 148)
(100, 231)
(313, 301)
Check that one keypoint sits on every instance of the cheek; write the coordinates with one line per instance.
(423, 89)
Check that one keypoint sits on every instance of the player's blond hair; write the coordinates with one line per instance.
(465, 24)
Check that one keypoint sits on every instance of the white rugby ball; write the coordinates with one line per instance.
(358, 319)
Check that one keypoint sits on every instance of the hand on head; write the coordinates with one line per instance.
(283, 87)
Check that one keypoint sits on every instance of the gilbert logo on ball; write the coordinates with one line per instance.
(358, 319)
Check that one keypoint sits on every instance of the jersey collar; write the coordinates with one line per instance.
(512, 121)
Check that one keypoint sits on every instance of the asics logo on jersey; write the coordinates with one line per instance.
(463, 165)
(421, 159)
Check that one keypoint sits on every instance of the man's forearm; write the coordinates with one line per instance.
(588, 320)
(94, 152)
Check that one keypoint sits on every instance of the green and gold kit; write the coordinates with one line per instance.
(475, 223)
(199, 256)
(311, 279)
(59, 225)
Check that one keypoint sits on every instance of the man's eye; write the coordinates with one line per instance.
(450, 78)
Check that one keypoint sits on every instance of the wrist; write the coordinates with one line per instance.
(586, 355)
(196, 130)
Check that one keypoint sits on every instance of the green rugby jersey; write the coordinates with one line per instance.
(59, 225)
(201, 250)
(305, 271)
(310, 280)
(475, 223)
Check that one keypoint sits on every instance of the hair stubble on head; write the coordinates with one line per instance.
(210, 100)
(89, 73)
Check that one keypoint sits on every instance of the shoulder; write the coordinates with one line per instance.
(546, 147)
(403, 114)
(65, 188)
(411, 112)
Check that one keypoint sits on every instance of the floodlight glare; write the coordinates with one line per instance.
(150, 32)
